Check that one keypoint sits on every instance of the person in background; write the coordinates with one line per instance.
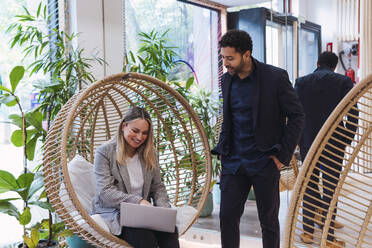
(319, 93)
(126, 170)
(262, 123)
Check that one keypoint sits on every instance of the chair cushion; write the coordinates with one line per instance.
(82, 178)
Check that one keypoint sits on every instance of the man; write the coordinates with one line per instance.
(319, 93)
(262, 122)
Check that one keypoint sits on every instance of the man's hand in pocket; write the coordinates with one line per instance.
(278, 164)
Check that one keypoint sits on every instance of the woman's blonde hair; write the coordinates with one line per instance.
(146, 150)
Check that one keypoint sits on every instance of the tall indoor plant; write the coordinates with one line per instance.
(28, 184)
(69, 70)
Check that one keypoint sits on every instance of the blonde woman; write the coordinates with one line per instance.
(126, 170)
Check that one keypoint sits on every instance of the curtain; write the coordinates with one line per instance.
(365, 38)
(348, 19)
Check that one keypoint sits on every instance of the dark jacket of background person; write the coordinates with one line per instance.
(320, 92)
(278, 117)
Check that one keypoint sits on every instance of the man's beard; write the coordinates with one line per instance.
(235, 70)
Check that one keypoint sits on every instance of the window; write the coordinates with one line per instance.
(192, 29)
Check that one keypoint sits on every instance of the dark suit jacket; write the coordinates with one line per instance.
(319, 93)
(277, 114)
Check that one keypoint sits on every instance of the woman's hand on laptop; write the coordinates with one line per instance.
(144, 202)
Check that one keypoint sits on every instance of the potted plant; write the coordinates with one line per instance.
(68, 70)
(28, 184)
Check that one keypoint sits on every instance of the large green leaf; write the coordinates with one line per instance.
(2, 87)
(7, 99)
(17, 138)
(36, 185)
(16, 119)
(189, 82)
(9, 209)
(35, 118)
(25, 217)
(42, 195)
(9, 199)
(35, 236)
(24, 181)
(41, 204)
(29, 242)
(65, 233)
(15, 76)
(31, 147)
(7, 181)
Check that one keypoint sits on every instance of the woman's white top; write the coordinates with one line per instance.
(135, 174)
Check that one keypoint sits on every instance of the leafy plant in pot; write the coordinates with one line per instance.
(68, 69)
(28, 184)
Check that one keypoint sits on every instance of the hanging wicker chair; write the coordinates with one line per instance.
(91, 117)
(352, 195)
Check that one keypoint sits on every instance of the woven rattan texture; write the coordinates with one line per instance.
(91, 117)
(352, 195)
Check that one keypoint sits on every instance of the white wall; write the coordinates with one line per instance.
(323, 13)
(100, 27)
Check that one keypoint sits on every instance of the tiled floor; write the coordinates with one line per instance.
(206, 232)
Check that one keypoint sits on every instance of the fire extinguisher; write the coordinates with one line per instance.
(350, 72)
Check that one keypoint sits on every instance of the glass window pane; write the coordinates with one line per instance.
(279, 46)
(308, 52)
(192, 29)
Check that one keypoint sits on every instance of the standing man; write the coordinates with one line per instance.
(262, 122)
(319, 93)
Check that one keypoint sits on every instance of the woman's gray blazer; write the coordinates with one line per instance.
(113, 186)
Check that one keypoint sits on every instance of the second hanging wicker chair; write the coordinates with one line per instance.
(337, 150)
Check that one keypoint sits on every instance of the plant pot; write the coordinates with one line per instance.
(251, 195)
(76, 242)
(217, 194)
(43, 243)
(208, 207)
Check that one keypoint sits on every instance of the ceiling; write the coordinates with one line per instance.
(235, 3)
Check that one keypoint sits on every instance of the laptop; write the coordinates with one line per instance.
(148, 217)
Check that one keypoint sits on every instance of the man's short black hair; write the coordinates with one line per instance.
(328, 59)
(238, 39)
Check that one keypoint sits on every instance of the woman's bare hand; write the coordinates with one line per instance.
(144, 202)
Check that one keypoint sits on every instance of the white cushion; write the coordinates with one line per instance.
(82, 178)
(99, 220)
(184, 216)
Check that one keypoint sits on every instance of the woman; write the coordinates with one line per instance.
(126, 170)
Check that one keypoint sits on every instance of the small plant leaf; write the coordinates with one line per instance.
(24, 181)
(9, 209)
(44, 205)
(35, 236)
(16, 119)
(36, 185)
(65, 233)
(17, 138)
(7, 181)
(189, 82)
(29, 242)
(7, 99)
(25, 217)
(15, 76)
(2, 87)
